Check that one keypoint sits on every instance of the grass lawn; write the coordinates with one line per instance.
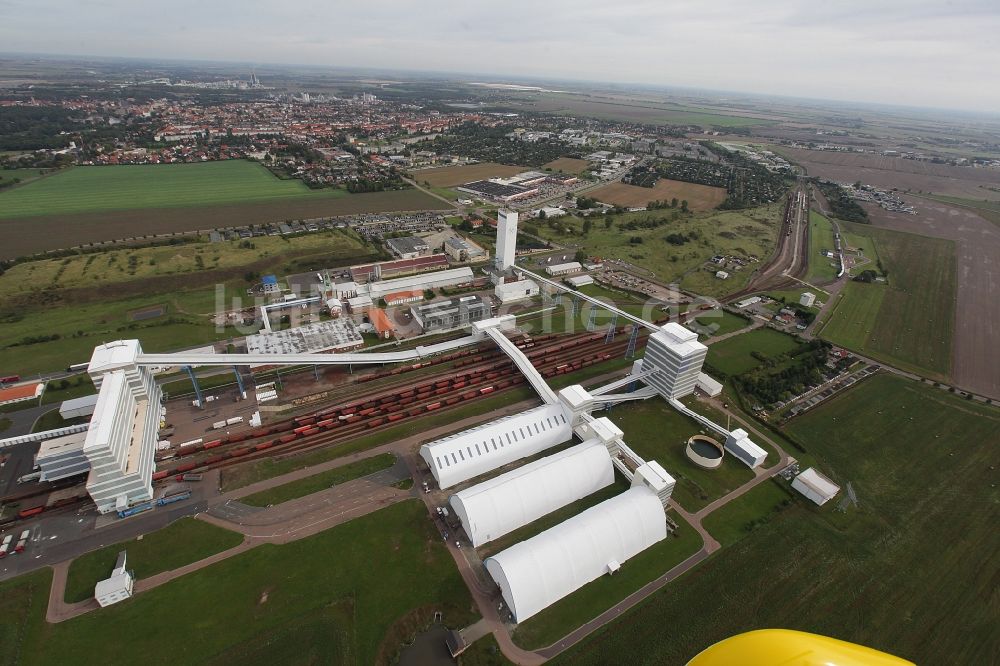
(321, 481)
(22, 176)
(821, 269)
(742, 233)
(350, 594)
(567, 165)
(107, 188)
(718, 322)
(737, 519)
(52, 420)
(908, 322)
(733, 355)
(656, 431)
(562, 617)
(911, 571)
(182, 542)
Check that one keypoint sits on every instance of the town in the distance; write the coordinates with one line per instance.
(310, 365)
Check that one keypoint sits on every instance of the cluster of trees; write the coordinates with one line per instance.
(648, 222)
(34, 340)
(678, 239)
(657, 204)
(35, 127)
(491, 144)
(842, 205)
(768, 386)
(586, 203)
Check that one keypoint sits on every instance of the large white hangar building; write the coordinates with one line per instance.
(467, 454)
(500, 505)
(536, 573)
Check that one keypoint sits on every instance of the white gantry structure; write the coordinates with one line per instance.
(536, 573)
(504, 503)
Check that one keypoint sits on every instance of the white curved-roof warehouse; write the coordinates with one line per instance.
(472, 452)
(501, 505)
(542, 570)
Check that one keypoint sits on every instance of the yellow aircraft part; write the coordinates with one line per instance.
(784, 647)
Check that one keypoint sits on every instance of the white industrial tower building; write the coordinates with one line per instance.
(506, 239)
(673, 358)
(122, 436)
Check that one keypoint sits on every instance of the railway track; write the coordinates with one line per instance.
(464, 377)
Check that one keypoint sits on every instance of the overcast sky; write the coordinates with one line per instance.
(913, 52)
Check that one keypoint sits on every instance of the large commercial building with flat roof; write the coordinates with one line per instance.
(335, 335)
(453, 313)
(408, 247)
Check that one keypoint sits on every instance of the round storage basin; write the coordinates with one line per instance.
(705, 452)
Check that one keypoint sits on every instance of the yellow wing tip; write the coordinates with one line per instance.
(786, 647)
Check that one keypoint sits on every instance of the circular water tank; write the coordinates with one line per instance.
(705, 452)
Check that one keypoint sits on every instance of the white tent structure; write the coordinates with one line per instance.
(815, 486)
(538, 572)
(500, 505)
(467, 454)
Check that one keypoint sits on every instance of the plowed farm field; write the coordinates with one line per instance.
(699, 197)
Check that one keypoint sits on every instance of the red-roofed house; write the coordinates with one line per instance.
(380, 320)
(400, 297)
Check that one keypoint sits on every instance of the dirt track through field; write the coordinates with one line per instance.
(28, 235)
(976, 363)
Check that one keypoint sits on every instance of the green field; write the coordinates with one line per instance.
(909, 321)
(89, 299)
(623, 109)
(733, 355)
(821, 269)
(321, 481)
(107, 188)
(718, 322)
(351, 594)
(656, 431)
(912, 570)
(183, 542)
(739, 518)
(751, 232)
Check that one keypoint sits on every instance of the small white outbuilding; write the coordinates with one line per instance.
(815, 486)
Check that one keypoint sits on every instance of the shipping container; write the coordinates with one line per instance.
(33, 511)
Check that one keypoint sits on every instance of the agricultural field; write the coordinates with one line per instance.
(450, 176)
(321, 481)
(821, 269)
(988, 210)
(21, 176)
(567, 165)
(255, 608)
(23, 236)
(870, 574)
(227, 260)
(733, 355)
(699, 197)
(633, 110)
(909, 321)
(895, 172)
(108, 188)
(180, 543)
(751, 232)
